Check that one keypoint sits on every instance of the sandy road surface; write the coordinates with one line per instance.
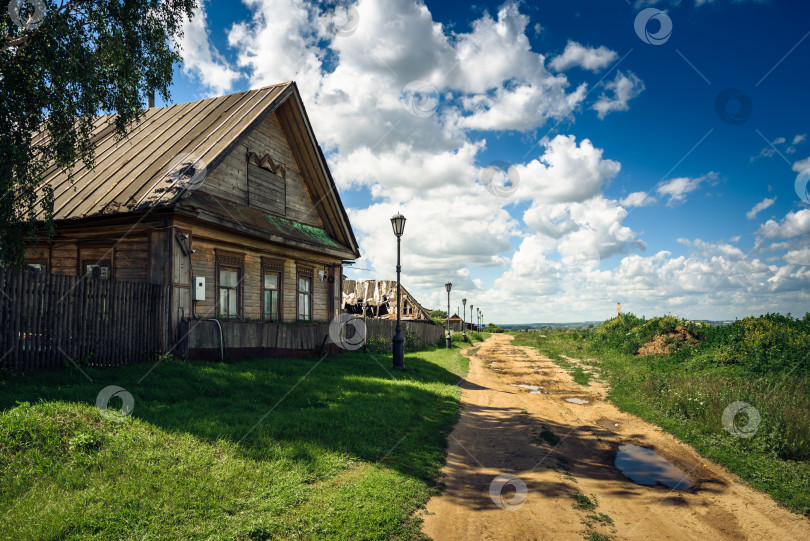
(499, 433)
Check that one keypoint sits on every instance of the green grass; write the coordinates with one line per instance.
(473, 338)
(581, 501)
(687, 393)
(262, 449)
(598, 518)
(581, 376)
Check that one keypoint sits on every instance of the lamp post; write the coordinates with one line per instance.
(478, 321)
(448, 286)
(463, 317)
(398, 223)
(471, 317)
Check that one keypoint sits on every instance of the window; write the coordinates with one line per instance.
(229, 268)
(270, 295)
(304, 297)
(35, 267)
(99, 270)
(229, 291)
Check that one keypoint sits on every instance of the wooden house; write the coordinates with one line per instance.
(228, 200)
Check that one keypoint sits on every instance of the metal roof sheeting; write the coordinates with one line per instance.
(149, 167)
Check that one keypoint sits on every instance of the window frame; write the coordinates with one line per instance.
(43, 262)
(229, 261)
(272, 266)
(303, 273)
(100, 263)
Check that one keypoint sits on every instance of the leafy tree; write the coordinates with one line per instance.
(439, 317)
(62, 62)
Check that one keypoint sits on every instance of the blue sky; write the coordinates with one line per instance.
(648, 166)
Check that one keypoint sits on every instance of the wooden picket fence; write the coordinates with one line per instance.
(424, 333)
(48, 319)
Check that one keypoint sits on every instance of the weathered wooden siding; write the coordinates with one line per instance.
(125, 246)
(229, 180)
(132, 259)
(63, 258)
(207, 241)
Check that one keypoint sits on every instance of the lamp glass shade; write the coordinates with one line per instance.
(398, 223)
(448, 286)
(464, 302)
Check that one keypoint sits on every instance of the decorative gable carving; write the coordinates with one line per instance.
(267, 163)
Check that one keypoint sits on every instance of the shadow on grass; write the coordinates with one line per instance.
(351, 405)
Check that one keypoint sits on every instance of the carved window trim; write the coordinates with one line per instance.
(272, 264)
(231, 259)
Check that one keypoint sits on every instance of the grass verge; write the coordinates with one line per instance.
(340, 448)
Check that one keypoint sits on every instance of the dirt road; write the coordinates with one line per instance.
(511, 430)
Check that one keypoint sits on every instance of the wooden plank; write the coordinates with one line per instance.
(89, 319)
(35, 327)
(121, 328)
(98, 320)
(23, 321)
(40, 294)
(63, 313)
(81, 320)
(147, 316)
(29, 314)
(101, 314)
(46, 333)
(78, 318)
(108, 329)
(138, 314)
(131, 308)
(5, 319)
(51, 322)
(16, 295)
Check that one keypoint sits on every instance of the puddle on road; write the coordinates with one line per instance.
(577, 400)
(529, 387)
(644, 466)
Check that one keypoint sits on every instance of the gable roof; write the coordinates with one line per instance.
(139, 172)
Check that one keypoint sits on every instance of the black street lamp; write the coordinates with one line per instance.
(463, 317)
(471, 317)
(478, 321)
(448, 286)
(398, 223)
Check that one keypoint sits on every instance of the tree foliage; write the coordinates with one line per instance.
(61, 64)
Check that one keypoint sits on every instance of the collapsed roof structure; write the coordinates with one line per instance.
(378, 298)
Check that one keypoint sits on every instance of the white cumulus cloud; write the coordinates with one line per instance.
(589, 58)
(618, 93)
(759, 207)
